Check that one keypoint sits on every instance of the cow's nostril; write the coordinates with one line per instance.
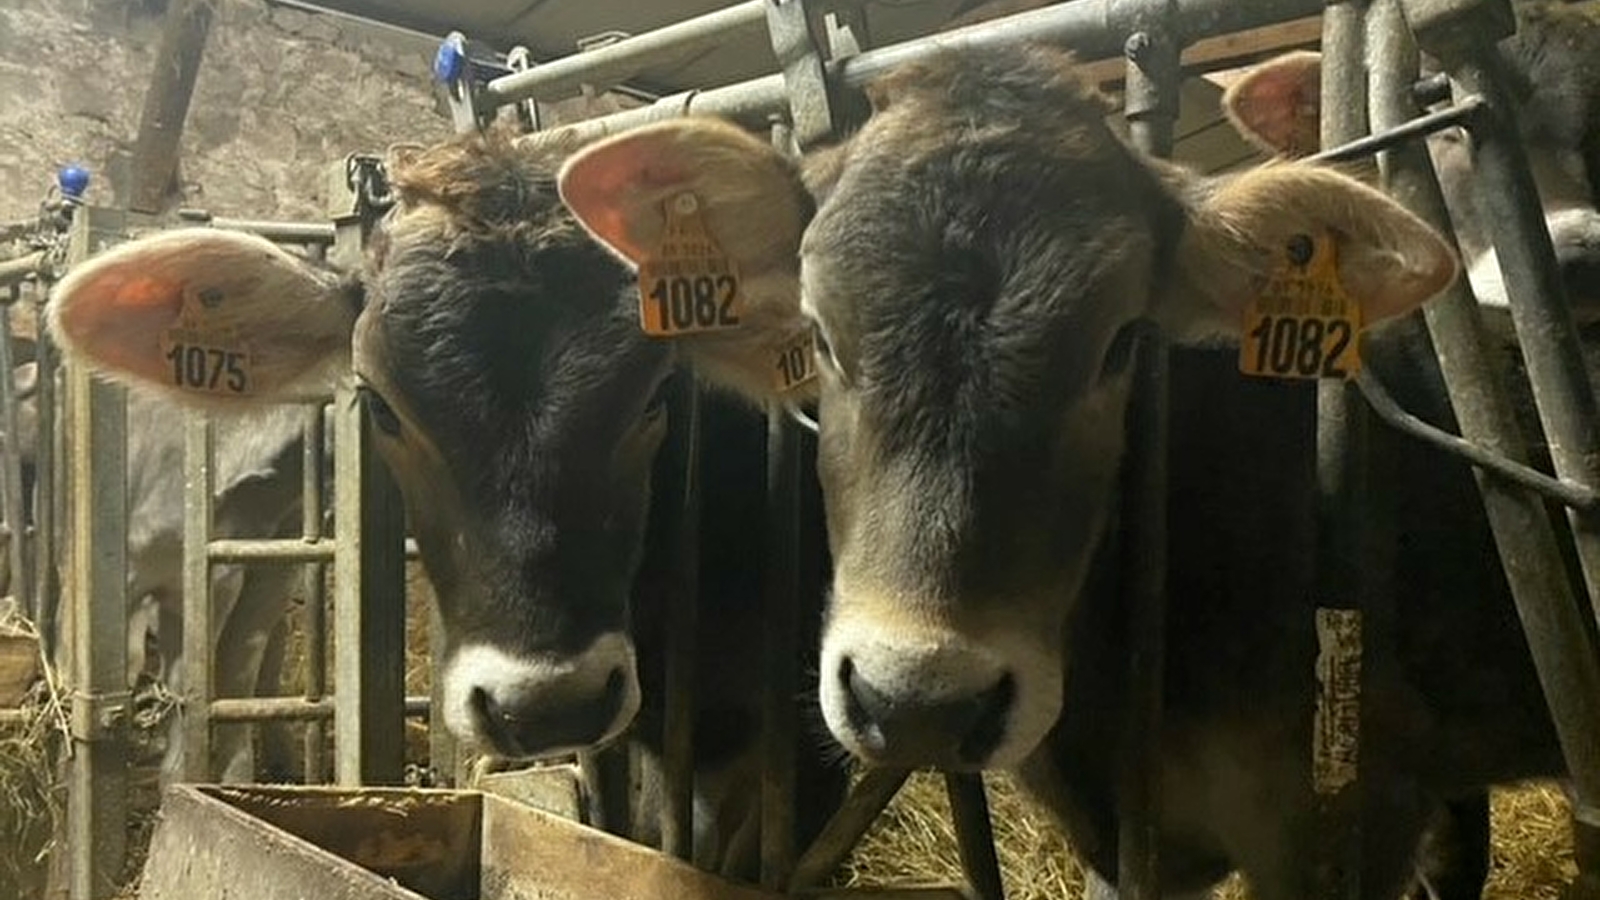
(865, 707)
(989, 711)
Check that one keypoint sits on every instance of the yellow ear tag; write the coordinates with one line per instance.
(689, 285)
(796, 362)
(1303, 324)
(204, 350)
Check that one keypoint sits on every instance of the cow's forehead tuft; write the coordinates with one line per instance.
(482, 181)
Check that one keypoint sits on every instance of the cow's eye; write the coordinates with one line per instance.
(382, 414)
(819, 338)
(1120, 354)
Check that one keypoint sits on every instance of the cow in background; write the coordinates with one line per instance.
(257, 494)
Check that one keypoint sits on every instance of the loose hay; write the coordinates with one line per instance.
(914, 843)
(32, 797)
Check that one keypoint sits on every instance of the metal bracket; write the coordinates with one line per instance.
(99, 717)
(799, 54)
(520, 59)
(1449, 28)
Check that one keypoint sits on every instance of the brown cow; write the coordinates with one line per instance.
(981, 252)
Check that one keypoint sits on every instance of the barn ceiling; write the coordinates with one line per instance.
(554, 28)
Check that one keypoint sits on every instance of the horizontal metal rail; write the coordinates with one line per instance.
(16, 271)
(1095, 29)
(283, 232)
(292, 709)
(607, 66)
(281, 550)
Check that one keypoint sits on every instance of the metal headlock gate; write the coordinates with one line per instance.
(1371, 63)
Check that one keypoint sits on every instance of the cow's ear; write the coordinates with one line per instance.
(1389, 260)
(210, 317)
(754, 207)
(1277, 105)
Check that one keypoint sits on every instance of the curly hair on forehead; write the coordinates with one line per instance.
(484, 182)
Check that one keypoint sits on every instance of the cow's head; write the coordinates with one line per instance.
(512, 393)
(980, 253)
(1556, 87)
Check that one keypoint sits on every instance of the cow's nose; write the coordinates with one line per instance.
(951, 729)
(536, 717)
(528, 706)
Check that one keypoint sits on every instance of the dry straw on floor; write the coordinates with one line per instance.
(914, 843)
(32, 797)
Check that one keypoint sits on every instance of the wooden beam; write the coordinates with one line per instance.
(1228, 50)
(166, 104)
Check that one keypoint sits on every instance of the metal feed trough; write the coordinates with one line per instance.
(1370, 65)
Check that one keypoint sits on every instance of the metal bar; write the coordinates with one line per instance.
(781, 646)
(284, 550)
(1093, 28)
(1460, 114)
(97, 789)
(1539, 306)
(866, 801)
(604, 776)
(677, 753)
(295, 709)
(1461, 36)
(199, 685)
(282, 232)
(275, 550)
(11, 497)
(442, 750)
(1378, 397)
(800, 56)
(606, 66)
(46, 494)
(1151, 103)
(16, 271)
(166, 103)
(1540, 588)
(1343, 581)
(369, 606)
(313, 435)
(974, 835)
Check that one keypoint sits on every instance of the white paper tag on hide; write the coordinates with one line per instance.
(1336, 728)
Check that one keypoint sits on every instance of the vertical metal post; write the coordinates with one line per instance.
(11, 468)
(1344, 583)
(314, 434)
(369, 608)
(1551, 615)
(1151, 107)
(1460, 33)
(780, 678)
(97, 789)
(974, 834)
(47, 493)
(683, 447)
(369, 605)
(780, 682)
(199, 684)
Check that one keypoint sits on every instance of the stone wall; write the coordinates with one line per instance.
(281, 93)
